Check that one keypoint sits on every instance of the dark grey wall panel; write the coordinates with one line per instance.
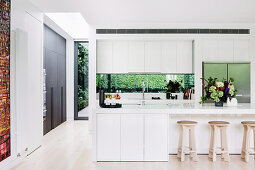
(55, 65)
(50, 39)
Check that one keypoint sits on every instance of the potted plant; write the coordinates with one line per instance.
(218, 91)
(172, 87)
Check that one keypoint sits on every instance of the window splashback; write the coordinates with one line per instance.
(128, 83)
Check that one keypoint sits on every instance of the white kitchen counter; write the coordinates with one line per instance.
(182, 108)
(135, 127)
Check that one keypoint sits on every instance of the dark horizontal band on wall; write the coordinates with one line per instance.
(173, 31)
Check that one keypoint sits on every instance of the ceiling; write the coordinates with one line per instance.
(72, 23)
(100, 12)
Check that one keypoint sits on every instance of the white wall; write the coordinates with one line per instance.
(198, 52)
(69, 66)
(20, 10)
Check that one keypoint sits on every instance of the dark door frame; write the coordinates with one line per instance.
(76, 116)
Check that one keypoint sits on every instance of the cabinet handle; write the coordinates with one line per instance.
(51, 106)
(62, 104)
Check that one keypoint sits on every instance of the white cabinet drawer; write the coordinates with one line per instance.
(132, 140)
(108, 137)
(155, 137)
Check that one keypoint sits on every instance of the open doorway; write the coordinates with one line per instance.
(81, 62)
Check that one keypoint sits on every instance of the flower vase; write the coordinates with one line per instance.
(219, 104)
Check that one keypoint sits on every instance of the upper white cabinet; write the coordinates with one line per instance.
(226, 50)
(241, 50)
(184, 57)
(136, 56)
(168, 61)
(210, 50)
(152, 56)
(104, 56)
(120, 57)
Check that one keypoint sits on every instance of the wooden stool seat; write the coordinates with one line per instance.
(187, 122)
(222, 126)
(190, 126)
(218, 123)
(246, 149)
(248, 123)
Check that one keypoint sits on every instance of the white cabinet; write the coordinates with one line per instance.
(168, 59)
(132, 137)
(104, 56)
(152, 56)
(226, 50)
(210, 50)
(120, 57)
(184, 57)
(29, 69)
(136, 56)
(108, 137)
(155, 137)
(241, 50)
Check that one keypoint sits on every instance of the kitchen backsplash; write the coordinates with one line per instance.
(132, 83)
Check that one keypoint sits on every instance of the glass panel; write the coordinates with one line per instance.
(215, 70)
(82, 79)
(241, 75)
(129, 83)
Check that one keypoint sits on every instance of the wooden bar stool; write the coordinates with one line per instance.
(223, 150)
(182, 150)
(246, 149)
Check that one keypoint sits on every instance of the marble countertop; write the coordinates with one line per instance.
(180, 108)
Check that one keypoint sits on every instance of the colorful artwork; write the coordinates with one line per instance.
(5, 79)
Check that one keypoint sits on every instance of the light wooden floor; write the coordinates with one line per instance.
(68, 147)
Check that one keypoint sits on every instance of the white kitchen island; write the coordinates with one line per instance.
(150, 132)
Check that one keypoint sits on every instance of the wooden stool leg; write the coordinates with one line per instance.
(244, 142)
(225, 144)
(181, 144)
(192, 143)
(212, 153)
(247, 149)
(254, 142)
(222, 142)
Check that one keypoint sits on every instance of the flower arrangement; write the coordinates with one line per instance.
(218, 91)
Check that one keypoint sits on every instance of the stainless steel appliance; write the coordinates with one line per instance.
(239, 71)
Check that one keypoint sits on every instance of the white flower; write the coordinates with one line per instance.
(219, 84)
(231, 89)
(212, 89)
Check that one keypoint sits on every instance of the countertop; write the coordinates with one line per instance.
(182, 108)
